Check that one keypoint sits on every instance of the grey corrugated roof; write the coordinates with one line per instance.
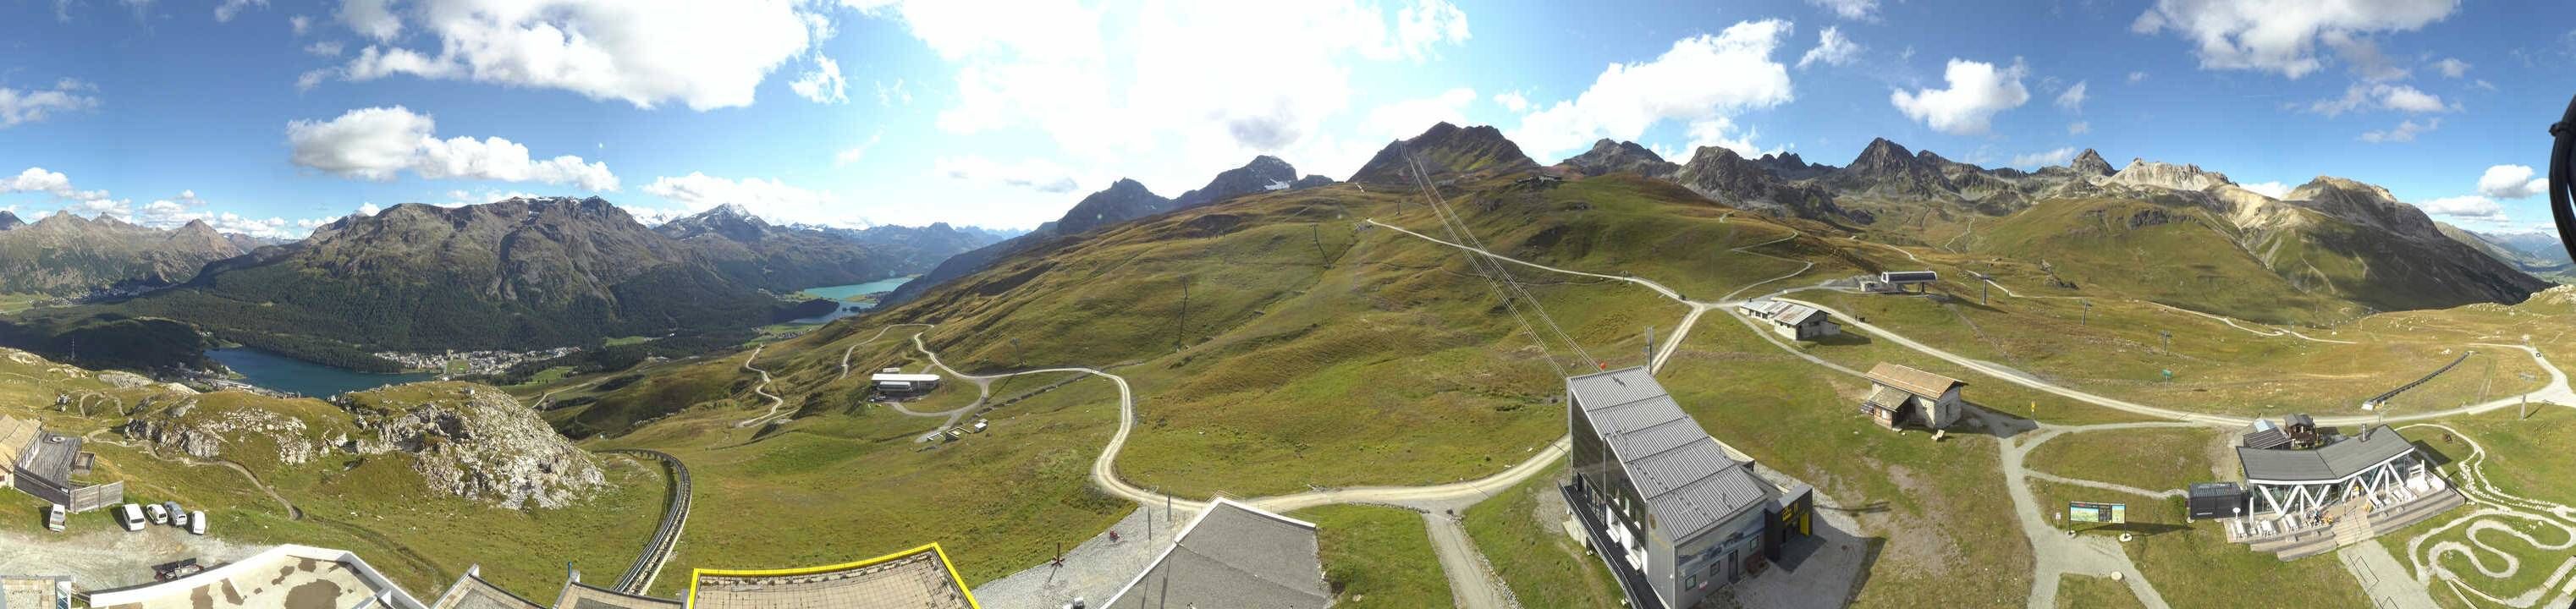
(471, 592)
(1689, 482)
(2332, 462)
(1234, 556)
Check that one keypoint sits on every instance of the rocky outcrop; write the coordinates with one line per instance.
(1722, 175)
(1788, 166)
(2090, 163)
(467, 441)
(2141, 172)
(479, 443)
(10, 220)
(1610, 156)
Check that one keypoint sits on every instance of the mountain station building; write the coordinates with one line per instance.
(897, 383)
(1905, 396)
(1676, 514)
(1790, 320)
(2304, 502)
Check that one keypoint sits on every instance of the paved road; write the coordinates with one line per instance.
(2053, 553)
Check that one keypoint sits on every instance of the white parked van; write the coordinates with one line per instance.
(197, 522)
(159, 515)
(131, 516)
(54, 516)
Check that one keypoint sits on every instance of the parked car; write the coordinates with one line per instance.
(178, 515)
(158, 514)
(197, 522)
(54, 516)
(131, 516)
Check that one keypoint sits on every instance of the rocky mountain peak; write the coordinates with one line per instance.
(1610, 156)
(1265, 173)
(2366, 204)
(1788, 166)
(2091, 163)
(730, 220)
(1444, 149)
(1722, 175)
(2141, 172)
(10, 220)
(1123, 200)
(1882, 157)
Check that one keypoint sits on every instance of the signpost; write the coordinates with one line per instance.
(2098, 513)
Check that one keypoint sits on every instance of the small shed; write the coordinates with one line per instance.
(2215, 500)
(904, 384)
(1906, 396)
(1792, 320)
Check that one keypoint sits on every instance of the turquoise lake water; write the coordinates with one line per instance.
(851, 297)
(281, 373)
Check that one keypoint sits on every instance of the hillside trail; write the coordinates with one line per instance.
(292, 512)
(762, 389)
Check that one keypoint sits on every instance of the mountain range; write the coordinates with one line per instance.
(521, 273)
(64, 255)
(1123, 201)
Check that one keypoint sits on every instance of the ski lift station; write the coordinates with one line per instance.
(896, 383)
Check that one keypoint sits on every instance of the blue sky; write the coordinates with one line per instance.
(268, 116)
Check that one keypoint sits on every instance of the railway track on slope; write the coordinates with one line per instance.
(666, 538)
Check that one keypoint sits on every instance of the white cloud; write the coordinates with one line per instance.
(37, 179)
(1831, 48)
(371, 18)
(1033, 174)
(1721, 132)
(643, 52)
(1848, 9)
(1701, 79)
(369, 209)
(310, 79)
(854, 153)
(2471, 207)
(888, 95)
(324, 48)
(2073, 99)
(2137, 77)
(2269, 189)
(1513, 101)
(2281, 36)
(2451, 67)
(300, 24)
(2362, 55)
(2058, 156)
(2381, 96)
(2405, 131)
(823, 84)
(2079, 128)
(769, 199)
(1149, 87)
(2511, 182)
(377, 143)
(224, 12)
(1977, 92)
(31, 105)
(1406, 118)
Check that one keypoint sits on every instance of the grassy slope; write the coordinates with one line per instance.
(2088, 592)
(378, 508)
(2525, 458)
(1529, 549)
(856, 485)
(1377, 557)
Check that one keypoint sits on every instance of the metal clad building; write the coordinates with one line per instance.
(1675, 512)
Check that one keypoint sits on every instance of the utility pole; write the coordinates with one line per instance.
(1650, 349)
(2088, 313)
(1182, 325)
(1320, 257)
(2525, 411)
(2168, 341)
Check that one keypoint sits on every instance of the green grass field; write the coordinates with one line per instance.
(2193, 564)
(2155, 459)
(1530, 550)
(2525, 458)
(1377, 557)
(2088, 592)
